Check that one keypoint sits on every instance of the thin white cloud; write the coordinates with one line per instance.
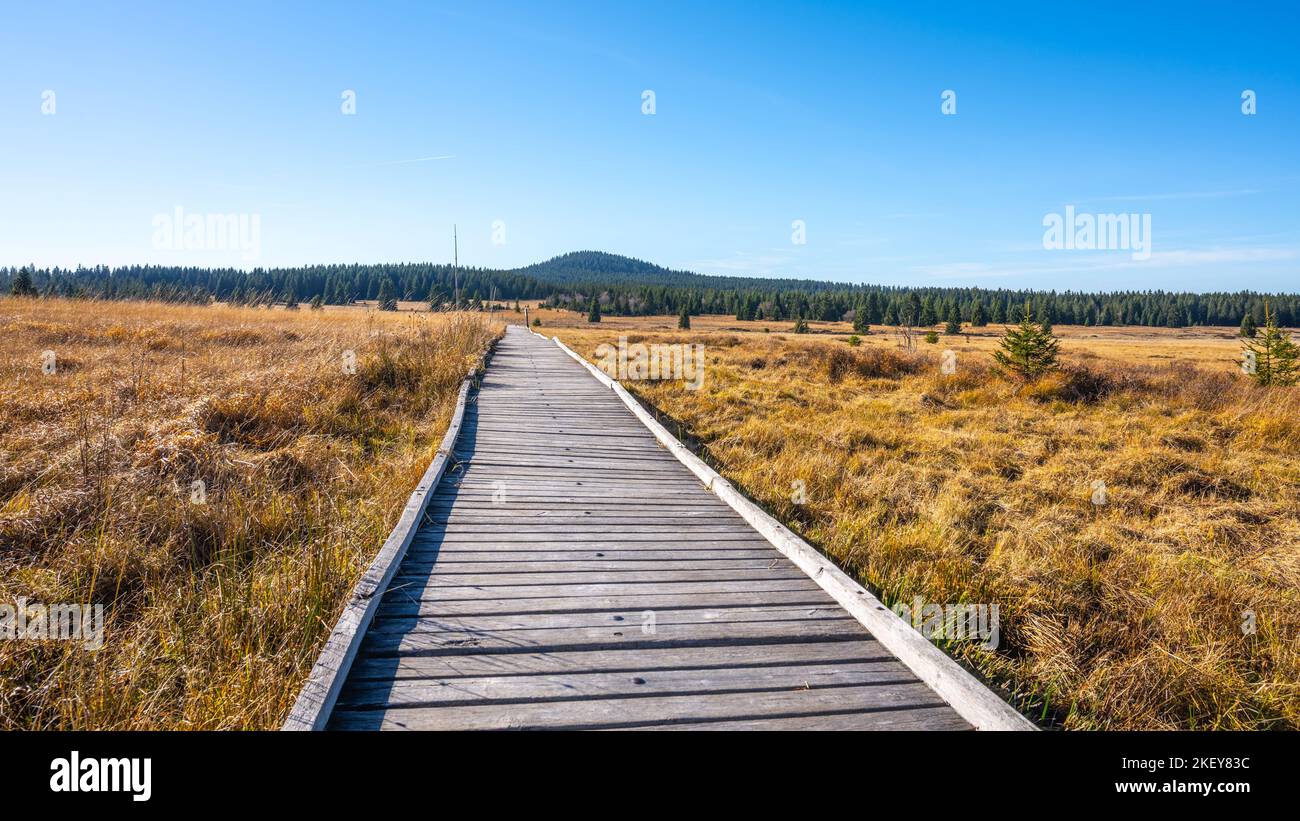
(1213, 256)
(1093, 262)
(1177, 195)
(410, 161)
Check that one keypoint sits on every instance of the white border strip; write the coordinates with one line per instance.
(316, 700)
(973, 701)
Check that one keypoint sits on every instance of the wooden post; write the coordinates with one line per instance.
(526, 325)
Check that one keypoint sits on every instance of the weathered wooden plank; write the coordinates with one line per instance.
(492, 542)
(615, 476)
(507, 496)
(564, 465)
(476, 511)
(939, 717)
(509, 441)
(618, 619)
(612, 637)
(548, 487)
(620, 435)
(499, 446)
(534, 499)
(422, 565)
(525, 553)
(626, 660)
(494, 442)
(527, 576)
(544, 464)
(506, 437)
(523, 520)
(577, 529)
(530, 491)
(570, 686)
(571, 431)
(517, 520)
(666, 710)
(558, 524)
(418, 591)
(396, 607)
(573, 484)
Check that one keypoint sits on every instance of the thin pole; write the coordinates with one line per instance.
(455, 264)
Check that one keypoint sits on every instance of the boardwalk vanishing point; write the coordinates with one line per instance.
(568, 571)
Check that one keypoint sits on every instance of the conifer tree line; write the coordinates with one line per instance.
(334, 284)
(775, 300)
(867, 305)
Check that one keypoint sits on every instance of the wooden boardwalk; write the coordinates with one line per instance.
(570, 573)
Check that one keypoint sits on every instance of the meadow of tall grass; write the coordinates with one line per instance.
(217, 478)
(1171, 599)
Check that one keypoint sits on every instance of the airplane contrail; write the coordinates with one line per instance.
(418, 159)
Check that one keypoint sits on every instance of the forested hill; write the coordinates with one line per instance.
(626, 286)
(601, 268)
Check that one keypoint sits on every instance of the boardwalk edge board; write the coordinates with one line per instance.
(315, 702)
(965, 693)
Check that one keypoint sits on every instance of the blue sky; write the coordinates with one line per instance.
(764, 114)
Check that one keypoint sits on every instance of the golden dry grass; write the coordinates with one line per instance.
(215, 610)
(973, 488)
